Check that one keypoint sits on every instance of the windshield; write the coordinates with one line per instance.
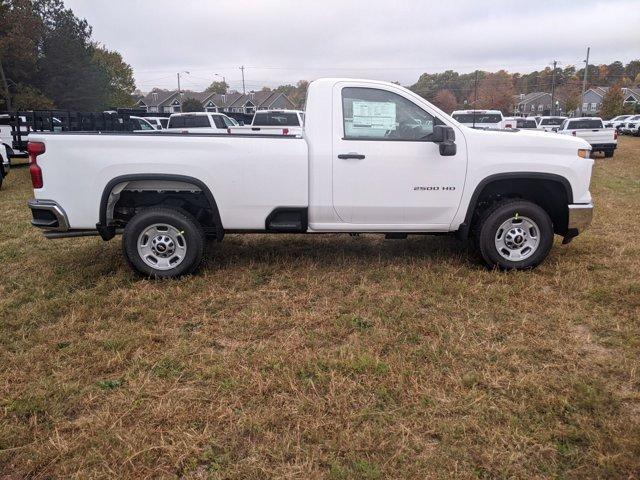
(584, 124)
(230, 122)
(620, 117)
(526, 123)
(276, 119)
(479, 117)
(189, 121)
(552, 121)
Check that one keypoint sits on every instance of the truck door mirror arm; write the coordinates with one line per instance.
(446, 138)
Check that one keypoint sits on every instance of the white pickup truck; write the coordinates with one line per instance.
(275, 122)
(373, 157)
(481, 119)
(592, 130)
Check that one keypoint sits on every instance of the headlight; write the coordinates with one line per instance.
(583, 152)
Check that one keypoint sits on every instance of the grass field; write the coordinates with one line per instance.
(324, 357)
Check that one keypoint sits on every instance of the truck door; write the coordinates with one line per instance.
(386, 170)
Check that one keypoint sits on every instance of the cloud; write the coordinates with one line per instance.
(284, 41)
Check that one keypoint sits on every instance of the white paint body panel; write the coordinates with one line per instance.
(249, 176)
(245, 175)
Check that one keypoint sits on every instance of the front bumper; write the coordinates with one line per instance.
(580, 216)
(48, 215)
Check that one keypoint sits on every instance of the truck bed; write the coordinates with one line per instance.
(249, 175)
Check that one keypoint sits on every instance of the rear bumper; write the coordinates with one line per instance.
(603, 146)
(48, 215)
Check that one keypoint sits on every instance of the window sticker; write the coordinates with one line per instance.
(374, 115)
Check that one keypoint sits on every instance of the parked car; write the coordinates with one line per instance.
(617, 122)
(159, 123)
(200, 122)
(592, 130)
(374, 157)
(479, 118)
(5, 162)
(630, 126)
(279, 122)
(548, 124)
(140, 124)
(522, 123)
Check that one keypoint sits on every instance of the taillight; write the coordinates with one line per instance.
(615, 135)
(285, 131)
(34, 149)
(573, 133)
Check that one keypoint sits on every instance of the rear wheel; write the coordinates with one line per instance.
(608, 153)
(163, 242)
(514, 235)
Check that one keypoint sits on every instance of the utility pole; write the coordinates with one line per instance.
(242, 70)
(179, 89)
(584, 81)
(475, 100)
(553, 89)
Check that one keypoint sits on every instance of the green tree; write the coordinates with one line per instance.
(191, 105)
(20, 31)
(218, 87)
(29, 98)
(67, 72)
(612, 102)
(120, 74)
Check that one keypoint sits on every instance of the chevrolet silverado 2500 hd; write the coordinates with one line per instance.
(373, 157)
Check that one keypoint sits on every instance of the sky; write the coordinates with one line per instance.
(283, 41)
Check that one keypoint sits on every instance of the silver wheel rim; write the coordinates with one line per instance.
(162, 246)
(517, 238)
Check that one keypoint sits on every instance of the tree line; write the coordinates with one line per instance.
(49, 60)
(450, 90)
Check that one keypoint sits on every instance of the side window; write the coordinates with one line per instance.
(373, 114)
(144, 125)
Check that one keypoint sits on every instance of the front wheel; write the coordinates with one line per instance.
(163, 242)
(514, 235)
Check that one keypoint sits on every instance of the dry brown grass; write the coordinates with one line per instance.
(324, 357)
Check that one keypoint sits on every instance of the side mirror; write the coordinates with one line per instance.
(554, 129)
(445, 136)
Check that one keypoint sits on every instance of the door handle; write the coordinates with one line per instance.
(346, 156)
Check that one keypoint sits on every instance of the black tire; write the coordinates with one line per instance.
(1, 178)
(486, 231)
(190, 236)
(608, 153)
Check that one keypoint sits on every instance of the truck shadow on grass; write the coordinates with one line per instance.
(337, 250)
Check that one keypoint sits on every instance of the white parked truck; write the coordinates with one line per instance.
(482, 119)
(275, 122)
(199, 122)
(373, 157)
(592, 130)
(548, 124)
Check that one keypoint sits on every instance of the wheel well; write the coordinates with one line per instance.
(552, 195)
(125, 196)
